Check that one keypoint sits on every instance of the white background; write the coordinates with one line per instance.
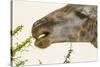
(26, 13)
(5, 35)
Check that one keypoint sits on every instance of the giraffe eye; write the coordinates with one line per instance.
(80, 15)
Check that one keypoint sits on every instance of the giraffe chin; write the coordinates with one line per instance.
(42, 43)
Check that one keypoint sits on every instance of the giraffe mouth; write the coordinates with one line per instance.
(43, 35)
(42, 40)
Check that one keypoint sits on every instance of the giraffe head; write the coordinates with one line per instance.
(72, 23)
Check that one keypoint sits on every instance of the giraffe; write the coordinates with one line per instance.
(71, 23)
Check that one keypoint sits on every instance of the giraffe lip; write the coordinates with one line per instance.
(42, 40)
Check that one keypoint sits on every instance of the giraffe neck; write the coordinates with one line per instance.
(88, 32)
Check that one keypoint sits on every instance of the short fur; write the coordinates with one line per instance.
(72, 23)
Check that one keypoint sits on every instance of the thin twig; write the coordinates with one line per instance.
(67, 58)
(16, 30)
